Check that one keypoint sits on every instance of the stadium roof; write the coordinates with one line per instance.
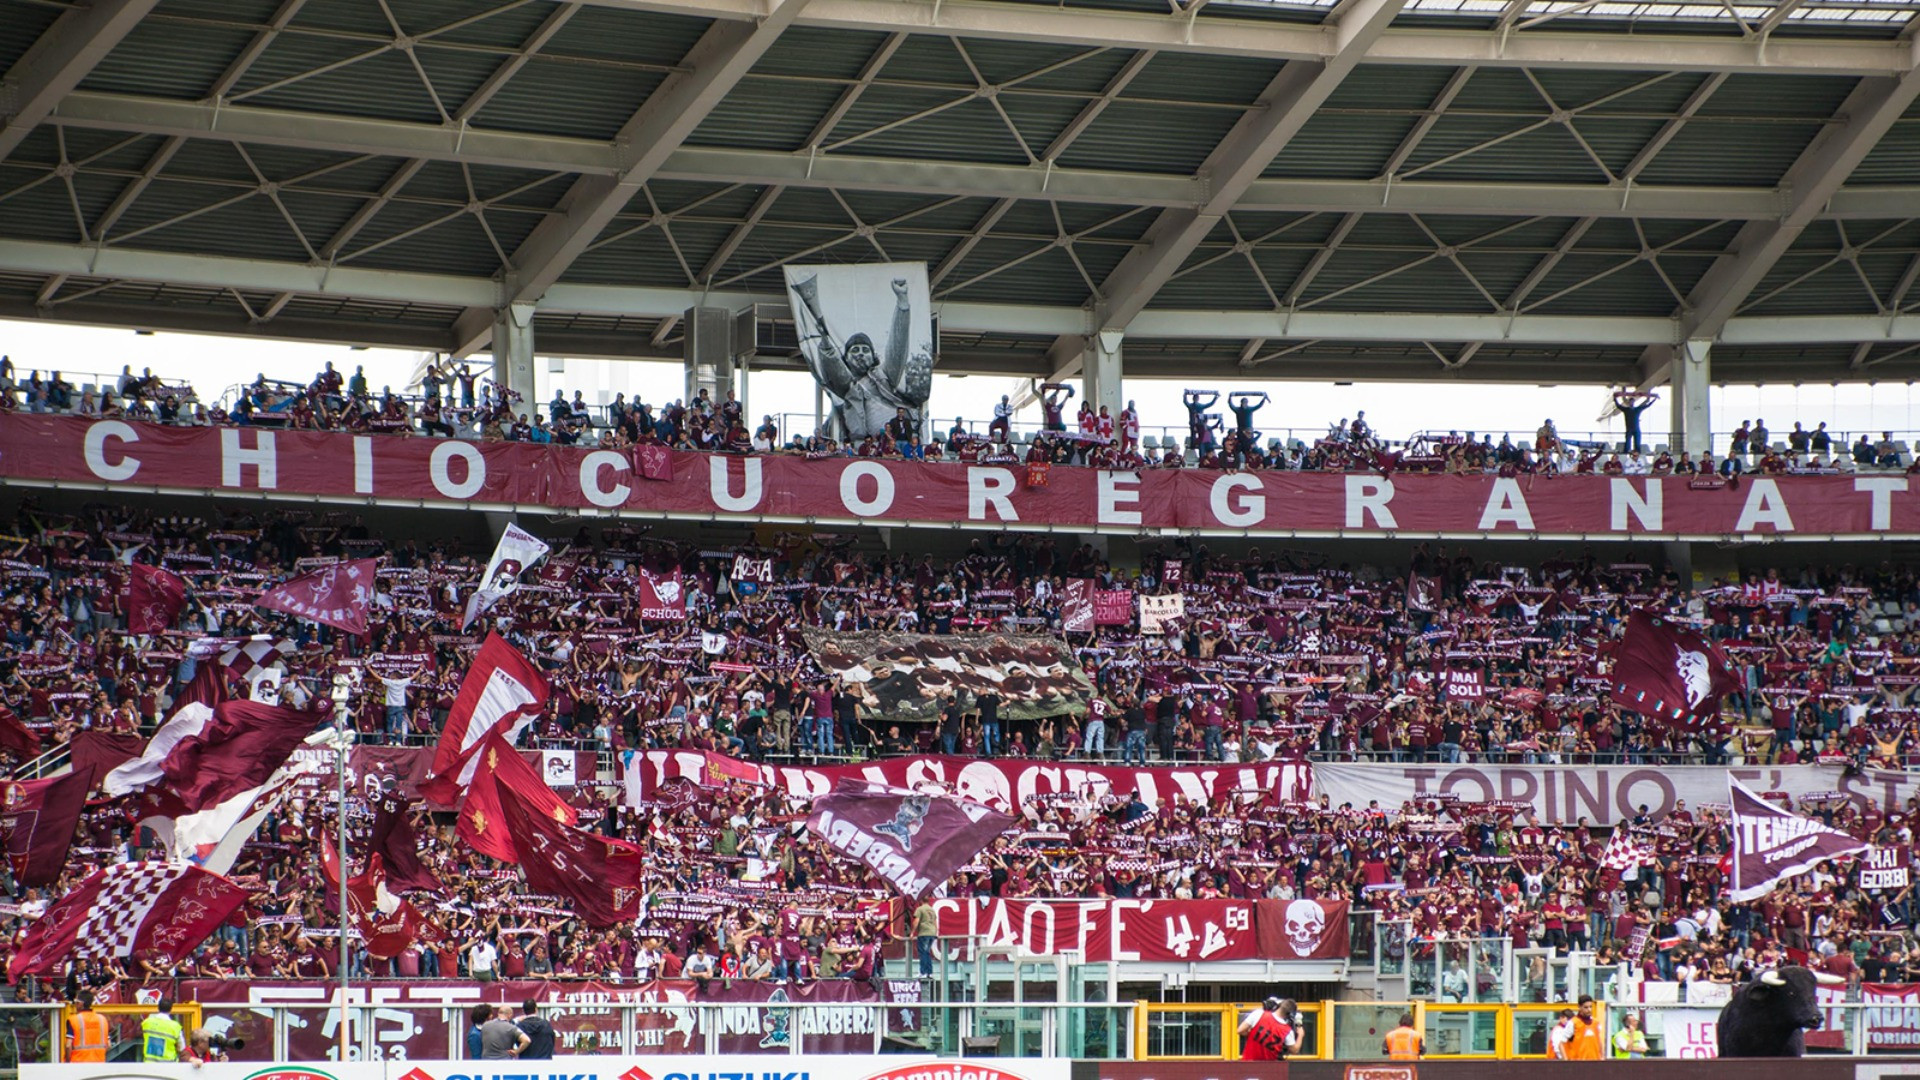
(1540, 191)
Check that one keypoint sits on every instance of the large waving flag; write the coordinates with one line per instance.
(1771, 845)
(38, 822)
(153, 598)
(517, 551)
(912, 841)
(501, 690)
(338, 595)
(598, 874)
(203, 756)
(482, 821)
(159, 909)
(1665, 670)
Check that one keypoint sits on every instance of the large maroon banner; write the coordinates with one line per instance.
(413, 1015)
(1005, 785)
(1103, 930)
(116, 454)
(1303, 929)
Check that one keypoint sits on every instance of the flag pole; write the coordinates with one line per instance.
(342, 743)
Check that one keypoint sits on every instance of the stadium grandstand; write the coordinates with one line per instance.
(372, 726)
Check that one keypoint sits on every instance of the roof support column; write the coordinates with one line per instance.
(1100, 379)
(513, 356)
(1690, 380)
(709, 352)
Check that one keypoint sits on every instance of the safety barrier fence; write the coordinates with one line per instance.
(1136, 1031)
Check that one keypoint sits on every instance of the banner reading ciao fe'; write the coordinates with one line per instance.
(1602, 794)
(116, 454)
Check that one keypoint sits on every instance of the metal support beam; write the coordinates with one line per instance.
(710, 70)
(480, 146)
(1217, 32)
(1812, 180)
(1692, 382)
(55, 63)
(1233, 166)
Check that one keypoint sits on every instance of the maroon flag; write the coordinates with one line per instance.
(654, 460)
(16, 736)
(1665, 670)
(1302, 929)
(663, 596)
(337, 595)
(501, 690)
(1423, 592)
(1076, 606)
(1112, 607)
(387, 923)
(150, 909)
(238, 749)
(913, 841)
(502, 768)
(1771, 844)
(600, 875)
(154, 598)
(395, 844)
(38, 821)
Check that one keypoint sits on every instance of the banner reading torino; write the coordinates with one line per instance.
(334, 466)
(1001, 784)
(1601, 794)
(906, 676)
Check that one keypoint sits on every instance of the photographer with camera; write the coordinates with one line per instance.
(205, 1046)
(1270, 1032)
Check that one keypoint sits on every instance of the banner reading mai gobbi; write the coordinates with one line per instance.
(867, 333)
(905, 676)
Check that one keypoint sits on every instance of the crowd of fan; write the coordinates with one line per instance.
(1280, 656)
(455, 400)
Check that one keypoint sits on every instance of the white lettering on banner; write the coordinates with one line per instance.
(990, 486)
(1369, 495)
(590, 467)
(1115, 489)
(731, 1021)
(1648, 509)
(439, 469)
(1885, 868)
(1003, 784)
(1603, 794)
(1252, 508)
(1764, 506)
(94, 449)
(1692, 1034)
(721, 484)
(1882, 489)
(235, 456)
(882, 500)
(363, 464)
(1506, 505)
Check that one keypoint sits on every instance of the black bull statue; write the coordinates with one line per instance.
(1766, 1016)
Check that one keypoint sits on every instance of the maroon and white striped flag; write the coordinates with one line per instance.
(159, 909)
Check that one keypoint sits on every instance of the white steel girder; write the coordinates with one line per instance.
(715, 64)
(476, 146)
(55, 63)
(264, 275)
(1217, 34)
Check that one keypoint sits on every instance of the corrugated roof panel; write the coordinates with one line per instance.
(320, 216)
(1048, 278)
(400, 216)
(1121, 222)
(1601, 285)
(507, 26)
(809, 206)
(37, 213)
(1810, 285)
(1223, 80)
(1342, 146)
(767, 114)
(1001, 61)
(1617, 139)
(384, 86)
(248, 229)
(920, 212)
(964, 128)
(1601, 93)
(1678, 235)
(1814, 97)
(1382, 88)
(457, 73)
(1129, 136)
(623, 36)
(815, 52)
(1040, 118)
(1489, 148)
(1433, 286)
(1499, 272)
(1282, 267)
(21, 24)
(159, 58)
(457, 246)
(283, 163)
(1895, 159)
(1737, 153)
(209, 159)
(1084, 77)
(928, 59)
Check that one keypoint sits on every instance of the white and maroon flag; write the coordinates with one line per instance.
(501, 690)
(337, 595)
(911, 840)
(161, 909)
(1625, 851)
(213, 838)
(517, 550)
(1663, 669)
(752, 574)
(663, 596)
(1771, 844)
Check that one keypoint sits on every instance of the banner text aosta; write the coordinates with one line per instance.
(332, 465)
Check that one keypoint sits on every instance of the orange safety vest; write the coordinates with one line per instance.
(1585, 1044)
(87, 1037)
(1403, 1044)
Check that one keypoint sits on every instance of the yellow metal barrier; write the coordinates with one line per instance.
(1352, 1030)
(1528, 1026)
(1456, 1032)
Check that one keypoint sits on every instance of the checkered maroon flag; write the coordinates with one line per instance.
(149, 909)
(1625, 851)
